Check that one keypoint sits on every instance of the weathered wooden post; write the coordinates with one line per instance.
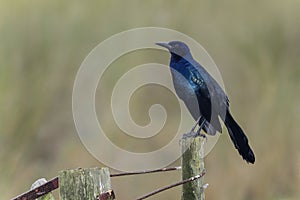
(88, 184)
(192, 165)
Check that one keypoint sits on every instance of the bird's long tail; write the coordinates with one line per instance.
(239, 139)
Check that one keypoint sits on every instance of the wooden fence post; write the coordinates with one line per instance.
(89, 184)
(192, 165)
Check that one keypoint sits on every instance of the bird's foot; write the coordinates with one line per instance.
(193, 135)
(198, 133)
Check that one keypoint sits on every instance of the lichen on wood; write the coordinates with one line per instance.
(84, 183)
(192, 165)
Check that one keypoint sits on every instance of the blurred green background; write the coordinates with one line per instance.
(255, 44)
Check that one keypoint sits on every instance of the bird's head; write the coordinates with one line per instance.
(176, 47)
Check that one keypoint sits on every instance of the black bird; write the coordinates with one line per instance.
(204, 98)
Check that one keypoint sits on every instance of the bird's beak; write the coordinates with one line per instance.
(164, 44)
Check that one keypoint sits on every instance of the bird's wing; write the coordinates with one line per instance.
(202, 92)
(220, 101)
(208, 98)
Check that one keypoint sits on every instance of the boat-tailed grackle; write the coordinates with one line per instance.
(191, 79)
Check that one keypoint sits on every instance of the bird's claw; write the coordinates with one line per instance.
(193, 135)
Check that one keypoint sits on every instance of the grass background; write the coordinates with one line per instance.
(255, 44)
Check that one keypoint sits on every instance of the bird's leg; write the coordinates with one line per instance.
(198, 133)
(192, 133)
(198, 121)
